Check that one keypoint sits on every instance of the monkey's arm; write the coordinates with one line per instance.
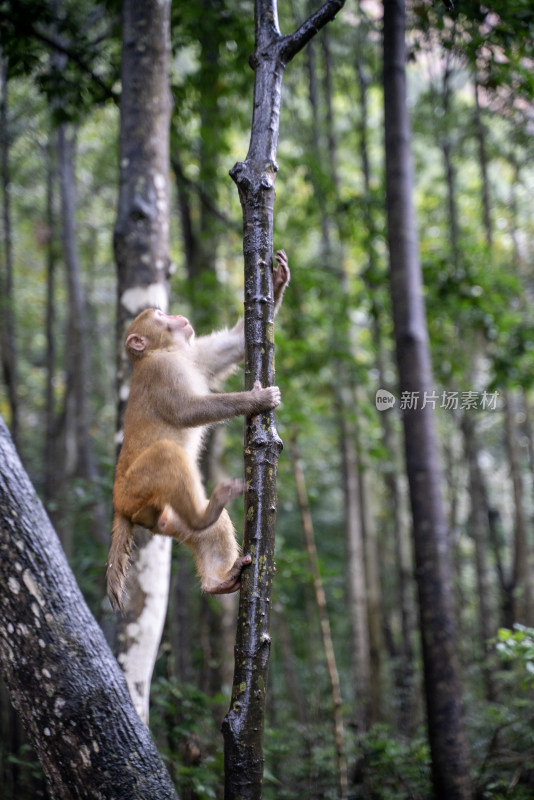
(190, 410)
(217, 354)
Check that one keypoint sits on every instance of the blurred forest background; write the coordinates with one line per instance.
(344, 596)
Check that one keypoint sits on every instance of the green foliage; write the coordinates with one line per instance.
(391, 767)
(503, 748)
(182, 723)
(73, 57)
(517, 647)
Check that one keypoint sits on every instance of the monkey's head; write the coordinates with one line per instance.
(154, 330)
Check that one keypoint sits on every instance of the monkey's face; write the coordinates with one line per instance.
(153, 330)
(176, 324)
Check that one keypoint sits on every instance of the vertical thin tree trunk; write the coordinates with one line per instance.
(403, 560)
(255, 177)
(141, 241)
(479, 532)
(530, 435)
(356, 577)
(80, 456)
(483, 160)
(374, 592)
(364, 644)
(443, 698)
(53, 457)
(7, 319)
(522, 579)
(320, 598)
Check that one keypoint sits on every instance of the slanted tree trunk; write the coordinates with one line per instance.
(440, 660)
(60, 673)
(255, 177)
(141, 242)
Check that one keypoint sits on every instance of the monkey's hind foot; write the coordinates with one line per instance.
(233, 581)
(226, 491)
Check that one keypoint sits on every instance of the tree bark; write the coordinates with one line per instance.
(61, 675)
(255, 177)
(441, 669)
(141, 242)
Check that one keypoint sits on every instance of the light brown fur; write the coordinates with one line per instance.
(157, 481)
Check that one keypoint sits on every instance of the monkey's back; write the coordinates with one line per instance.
(162, 386)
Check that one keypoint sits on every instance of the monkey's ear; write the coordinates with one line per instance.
(136, 343)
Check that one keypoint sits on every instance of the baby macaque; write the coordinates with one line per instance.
(157, 481)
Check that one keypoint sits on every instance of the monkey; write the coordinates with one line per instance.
(171, 404)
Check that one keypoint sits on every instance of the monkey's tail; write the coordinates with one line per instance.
(118, 560)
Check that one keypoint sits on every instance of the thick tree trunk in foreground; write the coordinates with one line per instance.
(443, 697)
(61, 675)
(141, 243)
(255, 177)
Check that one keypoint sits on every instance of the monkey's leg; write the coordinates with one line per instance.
(232, 582)
(216, 553)
(172, 523)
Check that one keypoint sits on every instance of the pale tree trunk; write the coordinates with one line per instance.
(54, 479)
(530, 436)
(7, 320)
(141, 242)
(479, 529)
(374, 591)
(440, 659)
(483, 161)
(322, 610)
(62, 678)
(522, 579)
(356, 578)
(255, 177)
